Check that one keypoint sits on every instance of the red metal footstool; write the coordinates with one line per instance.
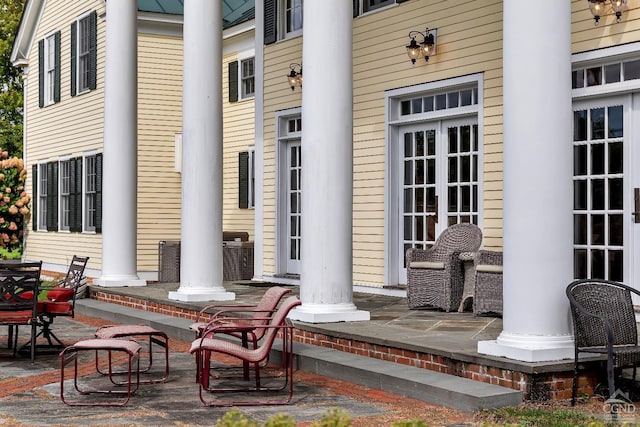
(70, 354)
(133, 331)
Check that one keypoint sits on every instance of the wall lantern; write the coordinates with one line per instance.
(597, 8)
(295, 77)
(425, 49)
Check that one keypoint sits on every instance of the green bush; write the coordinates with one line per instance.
(334, 417)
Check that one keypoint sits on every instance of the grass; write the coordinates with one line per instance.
(524, 416)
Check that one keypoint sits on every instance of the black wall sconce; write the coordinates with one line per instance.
(295, 77)
(425, 49)
(597, 8)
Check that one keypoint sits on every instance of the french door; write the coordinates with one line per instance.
(294, 203)
(603, 190)
(439, 179)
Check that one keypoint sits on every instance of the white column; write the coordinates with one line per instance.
(201, 248)
(538, 228)
(326, 278)
(120, 154)
(258, 212)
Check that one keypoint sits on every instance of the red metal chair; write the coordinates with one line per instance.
(61, 301)
(208, 346)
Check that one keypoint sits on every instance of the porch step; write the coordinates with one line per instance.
(421, 384)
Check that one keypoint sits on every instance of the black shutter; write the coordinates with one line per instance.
(52, 196)
(356, 8)
(93, 50)
(56, 79)
(98, 219)
(400, 1)
(270, 21)
(75, 194)
(243, 180)
(74, 57)
(233, 81)
(41, 73)
(34, 197)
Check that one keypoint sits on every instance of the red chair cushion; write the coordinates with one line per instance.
(60, 294)
(28, 295)
(20, 316)
(58, 307)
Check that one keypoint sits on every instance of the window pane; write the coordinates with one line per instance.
(441, 102)
(577, 79)
(615, 157)
(408, 200)
(419, 193)
(597, 194)
(597, 123)
(580, 125)
(597, 229)
(580, 195)
(597, 159)
(405, 108)
(615, 121)
(416, 105)
(594, 76)
(580, 160)
(580, 229)
(612, 73)
(597, 264)
(631, 70)
(580, 264)
(466, 97)
(615, 230)
(615, 265)
(615, 193)
(452, 99)
(419, 144)
(428, 103)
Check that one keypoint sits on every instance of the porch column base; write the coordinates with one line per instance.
(529, 348)
(117, 281)
(201, 294)
(328, 313)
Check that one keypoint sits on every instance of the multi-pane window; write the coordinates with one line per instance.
(605, 74)
(598, 193)
(247, 78)
(65, 193)
(292, 16)
(50, 68)
(84, 50)
(90, 180)
(69, 195)
(42, 196)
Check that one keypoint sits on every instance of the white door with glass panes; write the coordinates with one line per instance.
(439, 181)
(294, 204)
(603, 190)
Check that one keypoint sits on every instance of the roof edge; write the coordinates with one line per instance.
(26, 32)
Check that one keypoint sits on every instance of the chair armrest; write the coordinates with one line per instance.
(209, 309)
(420, 255)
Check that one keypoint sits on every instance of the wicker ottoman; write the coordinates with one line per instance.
(130, 349)
(135, 331)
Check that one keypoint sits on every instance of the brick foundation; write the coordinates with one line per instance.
(535, 387)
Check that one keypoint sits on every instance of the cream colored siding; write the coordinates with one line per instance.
(71, 127)
(159, 120)
(239, 135)
(469, 40)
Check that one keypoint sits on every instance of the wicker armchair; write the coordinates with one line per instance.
(488, 283)
(435, 277)
(604, 323)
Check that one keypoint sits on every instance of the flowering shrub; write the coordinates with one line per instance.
(14, 205)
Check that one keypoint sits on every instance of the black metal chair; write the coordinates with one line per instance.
(604, 323)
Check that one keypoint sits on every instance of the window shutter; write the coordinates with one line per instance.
(75, 194)
(98, 218)
(270, 21)
(233, 81)
(243, 180)
(56, 80)
(74, 57)
(400, 1)
(52, 196)
(93, 47)
(356, 8)
(34, 197)
(41, 73)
